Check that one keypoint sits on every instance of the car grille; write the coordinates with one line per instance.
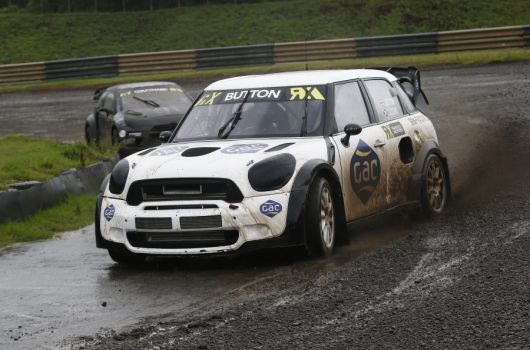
(183, 239)
(183, 189)
(153, 223)
(199, 222)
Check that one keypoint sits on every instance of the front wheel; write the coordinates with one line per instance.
(320, 220)
(125, 257)
(434, 191)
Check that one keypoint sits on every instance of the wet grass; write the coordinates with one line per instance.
(421, 61)
(24, 158)
(72, 213)
(33, 37)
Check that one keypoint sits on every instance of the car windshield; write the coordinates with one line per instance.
(154, 97)
(266, 112)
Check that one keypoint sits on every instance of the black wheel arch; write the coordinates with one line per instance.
(100, 241)
(299, 197)
(428, 148)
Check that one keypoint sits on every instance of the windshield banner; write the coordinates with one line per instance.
(294, 93)
(149, 90)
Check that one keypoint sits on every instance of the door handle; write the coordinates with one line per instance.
(379, 143)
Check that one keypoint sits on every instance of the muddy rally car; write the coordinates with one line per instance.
(278, 160)
(134, 115)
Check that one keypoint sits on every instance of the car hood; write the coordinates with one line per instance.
(229, 159)
(148, 118)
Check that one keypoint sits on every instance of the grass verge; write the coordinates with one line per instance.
(72, 213)
(33, 37)
(421, 61)
(25, 158)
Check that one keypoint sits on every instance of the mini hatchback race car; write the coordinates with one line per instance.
(135, 114)
(277, 160)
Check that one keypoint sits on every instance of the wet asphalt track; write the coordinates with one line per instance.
(460, 281)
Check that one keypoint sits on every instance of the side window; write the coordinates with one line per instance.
(405, 99)
(350, 106)
(386, 105)
(108, 101)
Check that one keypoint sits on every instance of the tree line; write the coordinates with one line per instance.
(58, 6)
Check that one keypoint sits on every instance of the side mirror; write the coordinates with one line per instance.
(350, 129)
(165, 136)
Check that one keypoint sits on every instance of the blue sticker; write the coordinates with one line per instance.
(109, 211)
(270, 208)
(365, 171)
(248, 148)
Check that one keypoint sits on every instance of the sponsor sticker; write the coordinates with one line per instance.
(146, 90)
(294, 93)
(248, 148)
(365, 171)
(109, 212)
(393, 130)
(270, 208)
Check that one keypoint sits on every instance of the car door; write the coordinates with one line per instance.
(362, 158)
(390, 113)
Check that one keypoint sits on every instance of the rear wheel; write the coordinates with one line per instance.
(123, 256)
(434, 192)
(320, 224)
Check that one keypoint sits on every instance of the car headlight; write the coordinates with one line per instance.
(272, 173)
(122, 134)
(118, 177)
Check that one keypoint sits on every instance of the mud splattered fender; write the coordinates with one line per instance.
(429, 147)
(299, 197)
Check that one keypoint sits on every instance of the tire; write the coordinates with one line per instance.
(125, 257)
(321, 219)
(435, 188)
(114, 136)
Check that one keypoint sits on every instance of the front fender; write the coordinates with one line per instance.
(100, 241)
(299, 197)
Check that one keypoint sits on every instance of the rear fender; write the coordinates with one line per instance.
(428, 148)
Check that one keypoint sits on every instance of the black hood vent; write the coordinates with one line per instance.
(198, 151)
(279, 147)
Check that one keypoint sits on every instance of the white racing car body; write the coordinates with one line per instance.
(287, 159)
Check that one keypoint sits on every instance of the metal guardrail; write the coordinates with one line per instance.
(167, 61)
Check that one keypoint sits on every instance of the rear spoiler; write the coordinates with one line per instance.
(410, 75)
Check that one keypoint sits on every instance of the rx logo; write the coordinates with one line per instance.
(365, 171)
(270, 208)
(109, 211)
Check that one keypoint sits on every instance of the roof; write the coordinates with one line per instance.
(311, 77)
(141, 85)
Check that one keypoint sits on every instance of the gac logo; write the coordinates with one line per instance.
(270, 208)
(365, 171)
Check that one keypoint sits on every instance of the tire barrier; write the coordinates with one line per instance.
(16, 205)
(168, 61)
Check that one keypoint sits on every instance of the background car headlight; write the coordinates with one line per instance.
(122, 134)
(118, 177)
(272, 173)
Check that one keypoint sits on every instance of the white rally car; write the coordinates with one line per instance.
(277, 160)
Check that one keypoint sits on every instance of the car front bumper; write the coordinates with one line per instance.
(251, 221)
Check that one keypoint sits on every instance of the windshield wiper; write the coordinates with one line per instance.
(147, 102)
(234, 120)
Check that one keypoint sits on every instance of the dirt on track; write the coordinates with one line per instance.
(462, 280)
